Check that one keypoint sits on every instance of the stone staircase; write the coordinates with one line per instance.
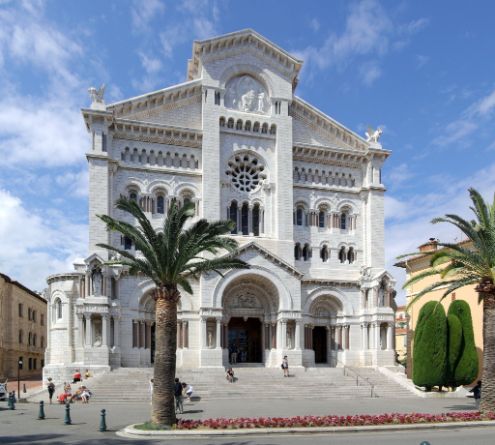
(131, 384)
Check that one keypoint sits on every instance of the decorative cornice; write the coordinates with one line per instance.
(156, 133)
(334, 283)
(247, 40)
(168, 98)
(319, 154)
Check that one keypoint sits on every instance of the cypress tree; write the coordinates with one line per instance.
(454, 347)
(466, 369)
(430, 346)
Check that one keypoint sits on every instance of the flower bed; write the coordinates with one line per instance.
(331, 421)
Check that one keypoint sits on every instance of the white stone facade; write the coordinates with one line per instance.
(306, 195)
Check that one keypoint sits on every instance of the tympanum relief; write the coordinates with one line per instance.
(244, 93)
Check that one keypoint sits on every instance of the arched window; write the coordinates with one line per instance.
(57, 306)
(256, 127)
(343, 220)
(245, 219)
(324, 253)
(299, 216)
(306, 253)
(160, 204)
(321, 218)
(264, 128)
(233, 209)
(230, 123)
(256, 220)
(247, 126)
(133, 196)
(238, 125)
(297, 251)
(351, 256)
(222, 122)
(273, 129)
(342, 255)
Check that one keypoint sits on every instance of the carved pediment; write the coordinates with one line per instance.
(245, 93)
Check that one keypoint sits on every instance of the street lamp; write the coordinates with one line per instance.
(18, 379)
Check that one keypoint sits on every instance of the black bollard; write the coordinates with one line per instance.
(11, 401)
(103, 423)
(24, 388)
(67, 420)
(41, 414)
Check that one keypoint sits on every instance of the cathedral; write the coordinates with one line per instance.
(305, 194)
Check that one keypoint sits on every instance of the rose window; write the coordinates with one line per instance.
(246, 172)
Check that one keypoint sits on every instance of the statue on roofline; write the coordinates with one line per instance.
(373, 135)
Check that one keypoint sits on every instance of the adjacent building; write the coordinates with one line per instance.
(22, 330)
(304, 191)
(419, 264)
(401, 331)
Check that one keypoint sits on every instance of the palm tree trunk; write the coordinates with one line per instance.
(488, 377)
(163, 409)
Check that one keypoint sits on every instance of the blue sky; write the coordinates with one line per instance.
(424, 71)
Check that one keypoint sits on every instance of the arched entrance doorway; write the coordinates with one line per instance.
(250, 306)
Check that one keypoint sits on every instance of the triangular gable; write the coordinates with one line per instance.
(252, 245)
(246, 39)
(94, 257)
(311, 123)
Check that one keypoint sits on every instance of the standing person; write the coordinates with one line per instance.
(150, 389)
(476, 390)
(233, 356)
(178, 396)
(87, 374)
(51, 389)
(285, 366)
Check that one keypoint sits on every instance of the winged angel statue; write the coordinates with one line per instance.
(373, 135)
(96, 95)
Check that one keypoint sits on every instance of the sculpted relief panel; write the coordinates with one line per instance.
(244, 93)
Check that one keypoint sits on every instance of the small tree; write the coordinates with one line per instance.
(466, 368)
(454, 348)
(430, 347)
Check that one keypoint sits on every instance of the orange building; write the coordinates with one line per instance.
(420, 263)
(401, 333)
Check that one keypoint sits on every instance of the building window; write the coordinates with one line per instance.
(297, 251)
(160, 204)
(245, 219)
(233, 215)
(342, 255)
(20, 363)
(299, 216)
(324, 253)
(343, 220)
(42, 319)
(246, 172)
(256, 220)
(57, 306)
(29, 313)
(34, 339)
(21, 337)
(33, 315)
(321, 218)
(127, 243)
(30, 362)
(34, 363)
(306, 253)
(351, 256)
(29, 339)
(217, 97)
(133, 196)
(21, 310)
(42, 342)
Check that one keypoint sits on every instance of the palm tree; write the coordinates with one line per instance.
(170, 258)
(459, 266)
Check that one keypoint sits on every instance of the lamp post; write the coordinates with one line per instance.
(18, 379)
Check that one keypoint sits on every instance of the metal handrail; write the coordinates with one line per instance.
(348, 371)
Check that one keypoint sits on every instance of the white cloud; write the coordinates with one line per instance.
(484, 106)
(143, 12)
(408, 219)
(38, 132)
(35, 245)
(75, 182)
(369, 73)
(399, 175)
(314, 24)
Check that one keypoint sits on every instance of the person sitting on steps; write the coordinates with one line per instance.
(230, 375)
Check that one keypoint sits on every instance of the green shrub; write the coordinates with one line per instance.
(466, 369)
(430, 346)
(454, 348)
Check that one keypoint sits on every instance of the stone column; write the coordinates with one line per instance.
(364, 327)
(390, 331)
(104, 329)
(377, 336)
(283, 333)
(89, 336)
(333, 330)
(116, 332)
(219, 333)
(347, 337)
(179, 334)
(273, 334)
(185, 342)
(298, 334)
(80, 338)
(203, 334)
(329, 341)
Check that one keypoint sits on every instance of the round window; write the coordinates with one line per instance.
(246, 172)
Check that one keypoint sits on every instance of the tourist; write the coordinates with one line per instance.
(87, 374)
(150, 389)
(476, 390)
(285, 366)
(230, 375)
(233, 355)
(51, 389)
(178, 396)
(188, 390)
(67, 388)
(85, 394)
(76, 377)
